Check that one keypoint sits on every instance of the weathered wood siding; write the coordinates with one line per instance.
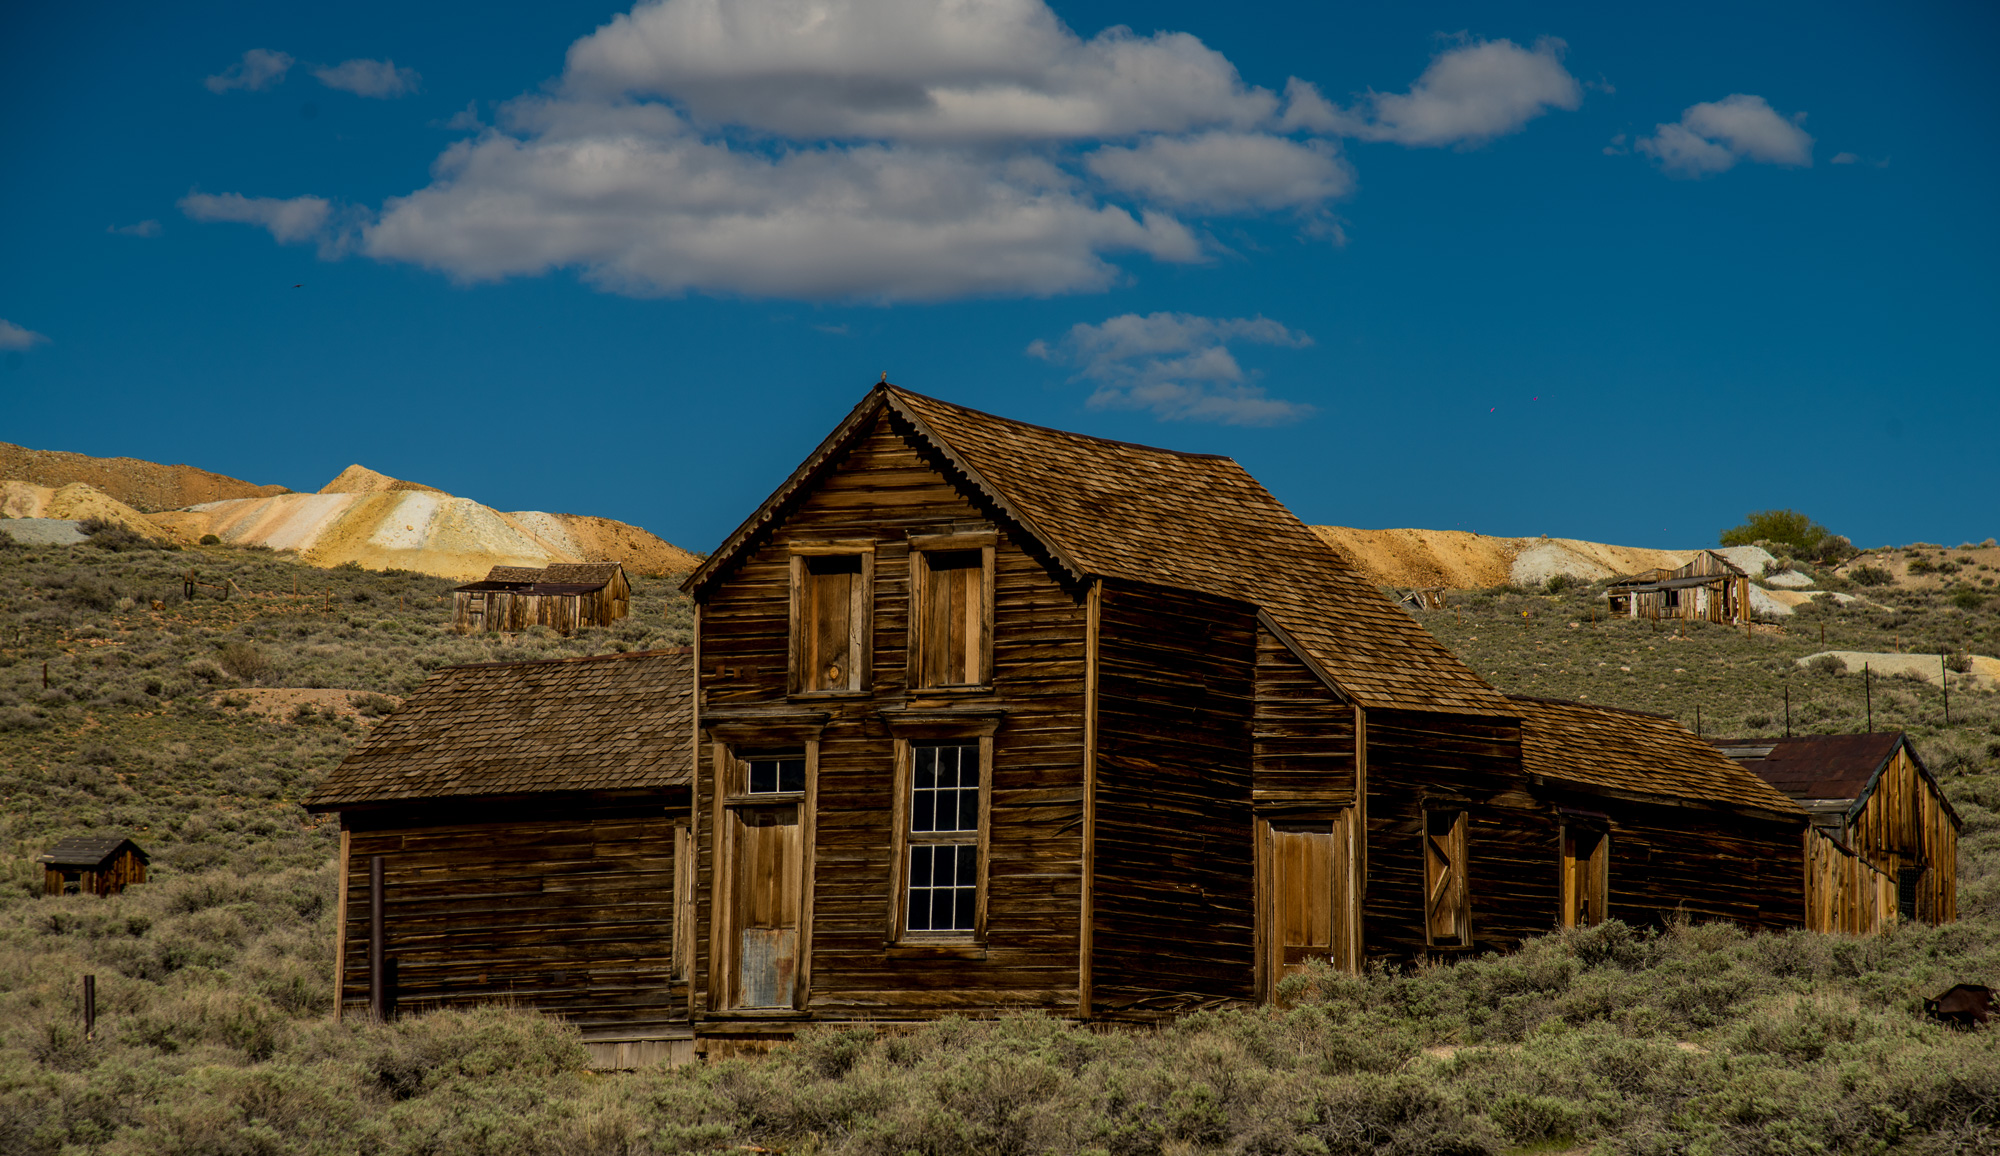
(1669, 862)
(882, 491)
(124, 868)
(1844, 893)
(512, 611)
(1904, 825)
(1175, 881)
(1420, 761)
(565, 906)
(1302, 741)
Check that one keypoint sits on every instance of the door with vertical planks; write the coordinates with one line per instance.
(1308, 907)
(765, 898)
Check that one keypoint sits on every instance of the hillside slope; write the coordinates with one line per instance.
(76, 501)
(1462, 560)
(148, 487)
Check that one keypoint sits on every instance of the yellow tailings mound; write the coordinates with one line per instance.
(1462, 560)
(383, 524)
(359, 479)
(144, 486)
(76, 501)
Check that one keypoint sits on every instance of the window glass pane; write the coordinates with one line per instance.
(944, 888)
(772, 775)
(944, 790)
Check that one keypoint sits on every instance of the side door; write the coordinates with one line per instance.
(1307, 907)
(766, 847)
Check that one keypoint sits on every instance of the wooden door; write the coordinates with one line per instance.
(1586, 876)
(765, 892)
(1308, 909)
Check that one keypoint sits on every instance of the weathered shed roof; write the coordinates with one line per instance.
(581, 573)
(514, 574)
(86, 851)
(1636, 752)
(611, 722)
(1825, 766)
(1192, 521)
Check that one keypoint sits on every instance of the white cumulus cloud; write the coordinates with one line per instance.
(259, 69)
(288, 220)
(380, 79)
(1176, 365)
(14, 339)
(1468, 95)
(911, 70)
(1226, 171)
(1711, 137)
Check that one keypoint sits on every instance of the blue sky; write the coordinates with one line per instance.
(1586, 271)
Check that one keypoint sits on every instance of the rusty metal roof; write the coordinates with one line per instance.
(90, 852)
(1632, 751)
(1828, 766)
(613, 722)
(1192, 521)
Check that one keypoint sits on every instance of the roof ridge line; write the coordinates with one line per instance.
(654, 653)
(897, 389)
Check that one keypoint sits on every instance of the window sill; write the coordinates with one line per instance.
(756, 1013)
(956, 690)
(747, 799)
(823, 695)
(937, 949)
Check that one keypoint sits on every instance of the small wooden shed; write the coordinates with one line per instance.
(1888, 838)
(562, 596)
(1708, 588)
(92, 866)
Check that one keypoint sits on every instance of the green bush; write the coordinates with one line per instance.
(1783, 527)
(1869, 575)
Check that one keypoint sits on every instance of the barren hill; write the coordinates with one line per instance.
(145, 486)
(76, 501)
(382, 523)
(1466, 561)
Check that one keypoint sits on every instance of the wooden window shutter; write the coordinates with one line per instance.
(830, 622)
(1447, 899)
(953, 617)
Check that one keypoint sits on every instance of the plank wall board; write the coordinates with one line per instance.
(1666, 862)
(1905, 825)
(1174, 882)
(564, 905)
(1418, 760)
(882, 491)
(1302, 734)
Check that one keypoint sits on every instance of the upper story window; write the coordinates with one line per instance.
(951, 610)
(774, 774)
(831, 599)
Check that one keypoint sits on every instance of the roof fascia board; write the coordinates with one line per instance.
(1713, 806)
(766, 513)
(1077, 570)
(1278, 632)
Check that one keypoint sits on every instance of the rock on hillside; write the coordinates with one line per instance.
(145, 486)
(74, 502)
(381, 523)
(1462, 560)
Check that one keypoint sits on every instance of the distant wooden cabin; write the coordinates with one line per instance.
(533, 820)
(1888, 846)
(92, 866)
(1709, 588)
(563, 596)
(988, 718)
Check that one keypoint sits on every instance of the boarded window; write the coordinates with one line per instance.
(953, 617)
(830, 621)
(942, 837)
(1586, 876)
(1447, 898)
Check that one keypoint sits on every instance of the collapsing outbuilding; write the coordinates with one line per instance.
(1886, 838)
(1708, 588)
(563, 596)
(92, 866)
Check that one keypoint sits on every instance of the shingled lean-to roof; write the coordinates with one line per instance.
(614, 722)
(1634, 753)
(1191, 521)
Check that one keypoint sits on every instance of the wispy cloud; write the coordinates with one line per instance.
(288, 220)
(147, 228)
(15, 339)
(1176, 365)
(1467, 96)
(259, 69)
(380, 79)
(1712, 136)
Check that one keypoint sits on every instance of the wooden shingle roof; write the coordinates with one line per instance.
(88, 851)
(514, 574)
(1192, 521)
(1636, 753)
(592, 573)
(612, 722)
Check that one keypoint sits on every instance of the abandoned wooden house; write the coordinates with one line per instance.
(562, 596)
(989, 717)
(1709, 587)
(532, 823)
(81, 865)
(1887, 845)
